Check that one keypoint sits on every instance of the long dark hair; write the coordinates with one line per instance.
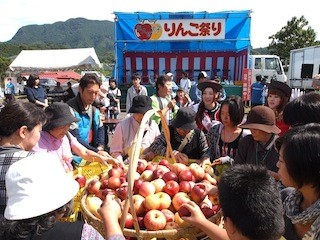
(17, 114)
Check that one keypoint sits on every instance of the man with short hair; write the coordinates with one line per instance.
(135, 90)
(195, 93)
(251, 206)
(89, 131)
(162, 99)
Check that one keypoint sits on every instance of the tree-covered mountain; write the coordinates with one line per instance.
(73, 33)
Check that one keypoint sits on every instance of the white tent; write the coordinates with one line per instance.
(56, 59)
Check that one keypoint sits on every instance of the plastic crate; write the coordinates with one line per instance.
(89, 170)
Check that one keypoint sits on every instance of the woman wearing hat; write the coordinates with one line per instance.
(259, 147)
(208, 108)
(278, 96)
(127, 128)
(56, 139)
(187, 141)
(39, 194)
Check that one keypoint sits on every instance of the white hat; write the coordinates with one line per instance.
(37, 185)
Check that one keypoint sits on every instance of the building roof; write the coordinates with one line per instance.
(61, 77)
(56, 59)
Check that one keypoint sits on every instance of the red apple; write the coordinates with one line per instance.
(151, 166)
(129, 221)
(93, 186)
(168, 176)
(159, 184)
(114, 172)
(120, 169)
(104, 183)
(197, 171)
(179, 199)
(138, 203)
(123, 179)
(184, 212)
(186, 175)
(178, 167)
(114, 182)
(185, 186)
(164, 168)
(198, 193)
(154, 220)
(216, 208)
(136, 185)
(171, 187)
(164, 162)
(141, 222)
(141, 166)
(102, 193)
(207, 212)
(171, 225)
(122, 192)
(146, 189)
(164, 199)
(168, 214)
(81, 179)
(159, 172)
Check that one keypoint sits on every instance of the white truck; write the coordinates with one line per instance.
(304, 64)
(268, 66)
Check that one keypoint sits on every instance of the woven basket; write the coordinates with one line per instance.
(189, 232)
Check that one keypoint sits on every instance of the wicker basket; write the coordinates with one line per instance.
(189, 232)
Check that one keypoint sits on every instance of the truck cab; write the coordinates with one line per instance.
(268, 66)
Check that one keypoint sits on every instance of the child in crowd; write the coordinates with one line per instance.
(182, 99)
(251, 206)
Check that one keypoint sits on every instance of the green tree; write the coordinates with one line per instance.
(4, 64)
(297, 34)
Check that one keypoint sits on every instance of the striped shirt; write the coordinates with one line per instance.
(8, 156)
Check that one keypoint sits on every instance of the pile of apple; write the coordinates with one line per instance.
(160, 189)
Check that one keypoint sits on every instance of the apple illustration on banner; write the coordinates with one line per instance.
(143, 31)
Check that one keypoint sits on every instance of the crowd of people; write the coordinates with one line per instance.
(270, 189)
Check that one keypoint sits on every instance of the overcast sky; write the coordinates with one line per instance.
(267, 16)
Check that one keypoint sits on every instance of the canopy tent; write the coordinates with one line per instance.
(150, 43)
(56, 59)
